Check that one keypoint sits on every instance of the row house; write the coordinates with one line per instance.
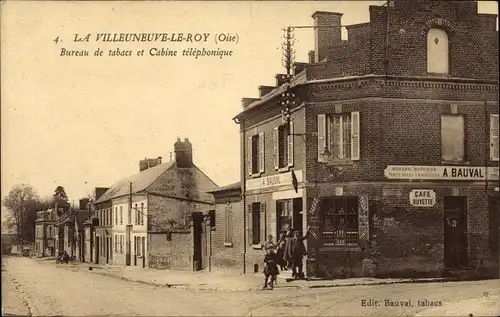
(147, 219)
(393, 143)
(45, 233)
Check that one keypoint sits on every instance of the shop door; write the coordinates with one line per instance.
(297, 215)
(455, 232)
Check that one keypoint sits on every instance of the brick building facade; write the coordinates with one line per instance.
(394, 143)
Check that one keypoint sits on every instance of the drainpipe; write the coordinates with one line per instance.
(243, 192)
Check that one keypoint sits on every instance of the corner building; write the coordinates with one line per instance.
(394, 144)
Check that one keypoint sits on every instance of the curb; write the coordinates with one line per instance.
(440, 280)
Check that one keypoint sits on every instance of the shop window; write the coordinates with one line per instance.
(452, 138)
(338, 137)
(228, 228)
(437, 51)
(284, 215)
(340, 221)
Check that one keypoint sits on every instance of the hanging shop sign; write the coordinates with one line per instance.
(457, 173)
(422, 198)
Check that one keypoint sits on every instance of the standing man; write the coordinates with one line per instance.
(296, 252)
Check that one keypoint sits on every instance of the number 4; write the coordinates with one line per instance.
(56, 40)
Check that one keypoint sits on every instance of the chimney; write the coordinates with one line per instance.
(99, 191)
(83, 203)
(143, 165)
(298, 68)
(264, 90)
(183, 153)
(245, 102)
(311, 57)
(159, 160)
(280, 79)
(327, 36)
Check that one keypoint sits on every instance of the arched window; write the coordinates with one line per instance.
(437, 51)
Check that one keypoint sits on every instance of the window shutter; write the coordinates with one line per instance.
(321, 136)
(276, 148)
(262, 223)
(249, 155)
(290, 145)
(494, 148)
(355, 134)
(249, 223)
(261, 152)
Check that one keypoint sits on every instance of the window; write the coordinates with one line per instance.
(284, 214)
(437, 51)
(142, 214)
(116, 243)
(136, 214)
(256, 228)
(494, 148)
(129, 219)
(121, 243)
(340, 221)
(338, 137)
(116, 215)
(256, 154)
(111, 216)
(111, 247)
(452, 138)
(211, 215)
(228, 229)
(121, 215)
(282, 146)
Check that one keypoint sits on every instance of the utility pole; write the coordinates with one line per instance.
(288, 97)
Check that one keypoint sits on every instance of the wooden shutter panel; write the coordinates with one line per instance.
(249, 155)
(321, 136)
(263, 222)
(276, 148)
(494, 146)
(355, 136)
(249, 223)
(290, 145)
(261, 152)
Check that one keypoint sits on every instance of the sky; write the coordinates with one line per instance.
(85, 122)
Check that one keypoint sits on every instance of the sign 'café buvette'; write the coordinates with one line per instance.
(458, 173)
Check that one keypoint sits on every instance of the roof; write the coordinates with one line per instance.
(140, 182)
(234, 186)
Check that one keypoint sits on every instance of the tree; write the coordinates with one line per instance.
(61, 198)
(19, 202)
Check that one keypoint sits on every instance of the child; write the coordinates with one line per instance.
(270, 269)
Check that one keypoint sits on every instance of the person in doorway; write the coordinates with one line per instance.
(286, 254)
(296, 252)
(270, 269)
(280, 246)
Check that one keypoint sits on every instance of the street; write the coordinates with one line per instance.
(34, 288)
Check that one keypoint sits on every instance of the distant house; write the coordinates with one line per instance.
(45, 233)
(8, 241)
(146, 219)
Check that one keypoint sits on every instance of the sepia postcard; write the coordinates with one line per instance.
(250, 158)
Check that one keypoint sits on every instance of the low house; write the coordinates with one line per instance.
(227, 241)
(147, 219)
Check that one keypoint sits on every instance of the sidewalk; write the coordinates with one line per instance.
(221, 281)
(484, 306)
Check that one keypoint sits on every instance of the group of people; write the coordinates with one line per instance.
(287, 253)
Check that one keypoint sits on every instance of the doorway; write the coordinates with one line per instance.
(197, 245)
(455, 232)
(297, 215)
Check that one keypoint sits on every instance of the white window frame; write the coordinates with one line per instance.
(325, 141)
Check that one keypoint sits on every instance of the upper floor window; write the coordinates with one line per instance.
(256, 154)
(141, 216)
(452, 138)
(338, 136)
(116, 215)
(136, 214)
(283, 146)
(437, 51)
(121, 215)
